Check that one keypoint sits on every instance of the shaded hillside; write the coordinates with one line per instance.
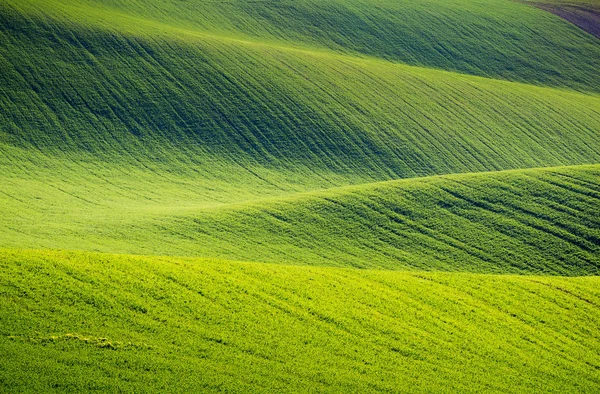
(192, 105)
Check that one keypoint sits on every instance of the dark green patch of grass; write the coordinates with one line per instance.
(95, 103)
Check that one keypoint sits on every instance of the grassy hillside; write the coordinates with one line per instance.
(496, 38)
(81, 321)
(533, 221)
(267, 144)
(116, 134)
(536, 221)
(208, 108)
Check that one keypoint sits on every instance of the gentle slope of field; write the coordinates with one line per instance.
(80, 321)
(526, 221)
(197, 105)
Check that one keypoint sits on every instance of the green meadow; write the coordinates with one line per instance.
(298, 196)
(136, 324)
(542, 221)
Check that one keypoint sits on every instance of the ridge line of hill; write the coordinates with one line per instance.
(521, 221)
(389, 182)
(542, 221)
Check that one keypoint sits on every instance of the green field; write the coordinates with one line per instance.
(494, 38)
(164, 324)
(298, 196)
(526, 221)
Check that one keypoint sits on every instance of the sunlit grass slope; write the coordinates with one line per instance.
(155, 101)
(497, 38)
(80, 321)
(526, 221)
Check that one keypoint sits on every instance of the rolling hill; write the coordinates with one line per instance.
(298, 196)
(542, 221)
(483, 37)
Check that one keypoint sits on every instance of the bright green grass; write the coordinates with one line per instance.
(526, 221)
(81, 321)
(497, 38)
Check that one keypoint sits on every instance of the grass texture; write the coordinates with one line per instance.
(245, 119)
(268, 145)
(543, 221)
(82, 321)
(495, 38)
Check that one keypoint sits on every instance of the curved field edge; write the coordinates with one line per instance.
(523, 221)
(526, 221)
(585, 14)
(85, 321)
(495, 38)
